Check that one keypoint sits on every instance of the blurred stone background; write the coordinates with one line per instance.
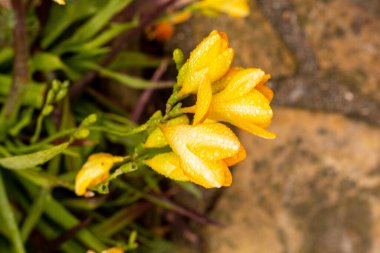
(316, 188)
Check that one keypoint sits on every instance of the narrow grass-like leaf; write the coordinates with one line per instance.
(127, 80)
(22, 162)
(99, 20)
(44, 180)
(121, 219)
(34, 213)
(61, 18)
(9, 220)
(48, 62)
(57, 213)
(107, 35)
(128, 59)
(51, 233)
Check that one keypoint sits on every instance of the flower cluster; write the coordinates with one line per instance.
(202, 152)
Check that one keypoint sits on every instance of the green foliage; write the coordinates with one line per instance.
(50, 133)
(28, 161)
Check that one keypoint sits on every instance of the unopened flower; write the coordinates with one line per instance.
(201, 154)
(234, 8)
(208, 62)
(95, 170)
(243, 100)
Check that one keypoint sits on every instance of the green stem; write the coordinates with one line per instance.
(42, 144)
(37, 132)
(9, 220)
(129, 132)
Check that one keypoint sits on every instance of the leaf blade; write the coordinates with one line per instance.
(27, 161)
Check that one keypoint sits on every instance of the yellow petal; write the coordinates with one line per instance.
(210, 59)
(209, 174)
(256, 130)
(227, 177)
(167, 164)
(203, 101)
(266, 91)
(191, 82)
(220, 84)
(234, 8)
(253, 107)
(208, 49)
(106, 159)
(85, 177)
(238, 157)
(240, 84)
(219, 66)
(190, 109)
(94, 170)
(212, 141)
(157, 139)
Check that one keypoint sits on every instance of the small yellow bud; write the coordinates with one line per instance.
(94, 171)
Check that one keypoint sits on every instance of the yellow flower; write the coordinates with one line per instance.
(234, 8)
(201, 154)
(208, 62)
(62, 2)
(94, 171)
(243, 100)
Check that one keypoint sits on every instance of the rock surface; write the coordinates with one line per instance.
(314, 189)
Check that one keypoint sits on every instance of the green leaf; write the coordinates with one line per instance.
(109, 34)
(61, 18)
(101, 19)
(134, 59)
(57, 213)
(22, 162)
(33, 95)
(92, 26)
(46, 62)
(112, 225)
(34, 213)
(6, 54)
(9, 222)
(127, 80)
(49, 62)
(44, 180)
